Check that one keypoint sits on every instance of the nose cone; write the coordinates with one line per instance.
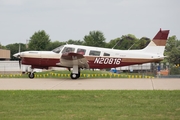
(17, 55)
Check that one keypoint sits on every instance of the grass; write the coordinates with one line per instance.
(84, 74)
(89, 105)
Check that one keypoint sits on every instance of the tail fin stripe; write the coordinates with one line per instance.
(157, 45)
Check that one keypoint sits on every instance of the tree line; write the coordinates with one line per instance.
(40, 40)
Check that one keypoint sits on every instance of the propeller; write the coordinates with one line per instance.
(20, 63)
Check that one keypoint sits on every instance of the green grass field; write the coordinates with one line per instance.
(89, 105)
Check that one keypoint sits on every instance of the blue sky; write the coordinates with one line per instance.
(73, 19)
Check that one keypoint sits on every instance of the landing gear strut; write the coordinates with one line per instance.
(75, 73)
(31, 74)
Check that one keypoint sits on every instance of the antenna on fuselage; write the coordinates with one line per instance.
(116, 44)
(131, 46)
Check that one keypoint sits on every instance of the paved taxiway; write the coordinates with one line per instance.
(89, 84)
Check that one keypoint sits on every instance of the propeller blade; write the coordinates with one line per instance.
(19, 55)
(20, 63)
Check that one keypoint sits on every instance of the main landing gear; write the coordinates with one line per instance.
(75, 73)
(75, 76)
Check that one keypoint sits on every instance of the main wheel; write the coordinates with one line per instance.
(31, 75)
(78, 74)
(74, 76)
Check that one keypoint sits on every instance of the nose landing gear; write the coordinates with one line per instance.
(31, 75)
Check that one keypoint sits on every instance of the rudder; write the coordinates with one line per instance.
(161, 37)
(157, 45)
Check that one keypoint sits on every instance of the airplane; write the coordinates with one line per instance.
(77, 57)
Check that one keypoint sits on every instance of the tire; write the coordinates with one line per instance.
(31, 75)
(78, 75)
(74, 76)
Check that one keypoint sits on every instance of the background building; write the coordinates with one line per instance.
(4, 54)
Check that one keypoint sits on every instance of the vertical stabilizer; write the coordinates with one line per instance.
(157, 45)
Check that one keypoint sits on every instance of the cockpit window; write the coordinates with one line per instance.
(68, 50)
(58, 49)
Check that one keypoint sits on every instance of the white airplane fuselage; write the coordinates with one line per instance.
(107, 58)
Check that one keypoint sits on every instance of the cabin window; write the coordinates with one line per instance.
(94, 53)
(106, 54)
(68, 50)
(81, 51)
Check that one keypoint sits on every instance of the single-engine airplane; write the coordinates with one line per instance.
(78, 57)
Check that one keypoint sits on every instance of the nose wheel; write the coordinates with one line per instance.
(31, 75)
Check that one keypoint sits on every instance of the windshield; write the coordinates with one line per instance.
(68, 50)
(58, 49)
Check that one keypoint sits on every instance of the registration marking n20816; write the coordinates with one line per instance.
(102, 60)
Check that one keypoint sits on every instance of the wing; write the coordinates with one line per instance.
(71, 59)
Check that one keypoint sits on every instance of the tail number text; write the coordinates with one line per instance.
(100, 60)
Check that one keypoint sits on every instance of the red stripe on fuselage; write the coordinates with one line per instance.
(44, 62)
(49, 62)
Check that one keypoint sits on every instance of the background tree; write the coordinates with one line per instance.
(39, 41)
(141, 43)
(114, 43)
(128, 42)
(174, 56)
(14, 48)
(125, 42)
(171, 42)
(172, 50)
(75, 42)
(174, 60)
(95, 38)
(2, 47)
(55, 44)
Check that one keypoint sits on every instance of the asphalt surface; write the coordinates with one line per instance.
(89, 84)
